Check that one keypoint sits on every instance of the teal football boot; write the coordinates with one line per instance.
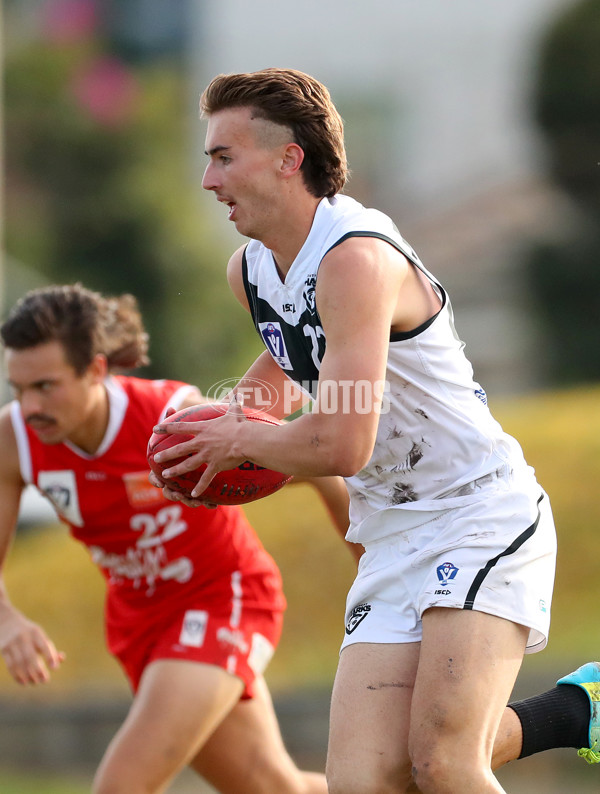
(587, 677)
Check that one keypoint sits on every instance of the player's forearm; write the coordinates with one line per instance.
(311, 445)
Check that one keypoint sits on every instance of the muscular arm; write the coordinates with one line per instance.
(358, 290)
(29, 654)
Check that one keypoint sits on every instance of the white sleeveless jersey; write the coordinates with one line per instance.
(437, 443)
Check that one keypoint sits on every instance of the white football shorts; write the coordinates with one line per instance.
(496, 555)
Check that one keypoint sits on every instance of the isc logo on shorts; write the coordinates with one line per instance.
(194, 628)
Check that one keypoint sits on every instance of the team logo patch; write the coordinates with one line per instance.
(446, 572)
(357, 616)
(60, 487)
(193, 630)
(275, 343)
(309, 294)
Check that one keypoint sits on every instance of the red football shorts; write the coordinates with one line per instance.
(241, 644)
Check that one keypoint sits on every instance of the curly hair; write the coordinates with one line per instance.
(299, 102)
(84, 322)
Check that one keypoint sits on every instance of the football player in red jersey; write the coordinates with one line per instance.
(194, 603)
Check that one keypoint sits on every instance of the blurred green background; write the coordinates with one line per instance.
(479, 135)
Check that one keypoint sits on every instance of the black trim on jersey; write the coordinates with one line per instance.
(249, 291)
(399, 336)
(514, 546)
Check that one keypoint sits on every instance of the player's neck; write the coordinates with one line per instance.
(288, 235)
(90, 434)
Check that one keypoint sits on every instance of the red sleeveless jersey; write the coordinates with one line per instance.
(157, 555)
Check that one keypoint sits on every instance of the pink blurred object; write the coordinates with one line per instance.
(69, 20)
(107, 91)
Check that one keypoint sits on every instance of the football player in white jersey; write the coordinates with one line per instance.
(456, 580)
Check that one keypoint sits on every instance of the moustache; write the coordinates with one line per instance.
(39, 418)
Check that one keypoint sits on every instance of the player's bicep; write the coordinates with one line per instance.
(357, 293)
(11, 484)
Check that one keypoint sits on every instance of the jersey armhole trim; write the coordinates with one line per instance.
(250, 293)
(400, 336)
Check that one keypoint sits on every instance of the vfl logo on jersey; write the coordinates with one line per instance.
(446, 572)
(60, 487)
(309, 293)
(275, 343)
(357, 616)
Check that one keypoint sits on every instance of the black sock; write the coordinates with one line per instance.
(557, 718)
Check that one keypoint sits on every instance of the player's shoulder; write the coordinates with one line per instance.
(361, 256)
(235, 275)
(8, 439)
(6, 425)
(236, 260)
(147, 390)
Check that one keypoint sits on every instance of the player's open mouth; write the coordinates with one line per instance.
(232, 205)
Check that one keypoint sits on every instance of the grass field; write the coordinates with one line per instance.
(19, 783)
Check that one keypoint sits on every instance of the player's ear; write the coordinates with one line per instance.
(98, 369)
(293, 157)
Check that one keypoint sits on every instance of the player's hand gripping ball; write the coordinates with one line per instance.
(238, 486)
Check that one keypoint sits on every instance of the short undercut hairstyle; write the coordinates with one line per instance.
(299, 102)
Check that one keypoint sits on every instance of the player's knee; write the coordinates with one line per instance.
(435, 771)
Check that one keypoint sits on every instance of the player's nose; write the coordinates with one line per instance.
(30, 402)
(209, 179)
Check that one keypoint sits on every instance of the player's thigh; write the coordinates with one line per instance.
(247, 753)
(467, 668)
(370, 708)
(176, 708)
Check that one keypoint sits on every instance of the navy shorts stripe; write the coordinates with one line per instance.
(514, 546)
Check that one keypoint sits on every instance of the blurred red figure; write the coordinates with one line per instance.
(194, 603)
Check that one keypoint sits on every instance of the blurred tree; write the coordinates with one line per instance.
(99, 190)
(564, 274)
